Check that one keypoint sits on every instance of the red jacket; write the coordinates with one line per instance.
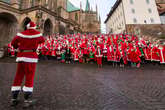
(155, 54)
(27, 40)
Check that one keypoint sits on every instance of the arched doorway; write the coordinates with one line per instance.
(48, 27)
(25, 22)
(8, 28)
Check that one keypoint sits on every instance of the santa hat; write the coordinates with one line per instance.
(31, 25)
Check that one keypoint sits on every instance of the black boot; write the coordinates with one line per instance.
(14, 100)
(28, 100)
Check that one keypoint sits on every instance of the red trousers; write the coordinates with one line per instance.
(99, 60)
(26, 70)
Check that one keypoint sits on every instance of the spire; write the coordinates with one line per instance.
(96, 9)
(87, 6)
(80, 6)
(96, 12)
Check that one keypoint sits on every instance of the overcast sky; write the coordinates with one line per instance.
(104, 7)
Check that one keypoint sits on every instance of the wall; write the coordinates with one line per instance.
(152, 30)
(73, 14)
(116, 22)
(141, 12)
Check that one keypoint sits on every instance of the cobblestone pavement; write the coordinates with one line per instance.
(85, 87)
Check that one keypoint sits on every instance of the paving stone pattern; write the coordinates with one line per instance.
(85, 87)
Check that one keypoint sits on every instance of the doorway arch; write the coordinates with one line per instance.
(8, 27)
(48, 27)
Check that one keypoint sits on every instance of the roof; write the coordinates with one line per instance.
(71, 7)
(8, 1)
(112, 10)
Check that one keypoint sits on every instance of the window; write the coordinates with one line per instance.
(135, 20)
(149, 10)
(152, 20)
(76, 17)
(148, 1)
(133, 11)
(46, 3)
(131, 1)
(32, 2)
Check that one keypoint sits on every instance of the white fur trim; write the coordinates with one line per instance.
(99, 55)
(29, 36)
(28, 25)
(27, 89)
(16, 88)
(161, 52)
(155, 60)
(76, 59)
(25, 59)
(32, 27)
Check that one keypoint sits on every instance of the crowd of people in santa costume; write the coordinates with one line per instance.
(118, 49)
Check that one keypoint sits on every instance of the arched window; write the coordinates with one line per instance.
(76, 17)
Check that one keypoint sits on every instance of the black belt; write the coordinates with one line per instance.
(27, 50)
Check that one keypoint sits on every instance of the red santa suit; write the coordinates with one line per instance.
(117, 55)
(80, 56)
(53, 51)
(44, 50)
(12, 51)
(27, 43)
(155, 54)
(9, 49)
(115, 39)
(135, 55)
(76, 53)
(147, 53)
(110, 53)
(99, 55)
(105, 51)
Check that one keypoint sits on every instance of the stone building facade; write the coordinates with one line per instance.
(51, 16)
(129, 12)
